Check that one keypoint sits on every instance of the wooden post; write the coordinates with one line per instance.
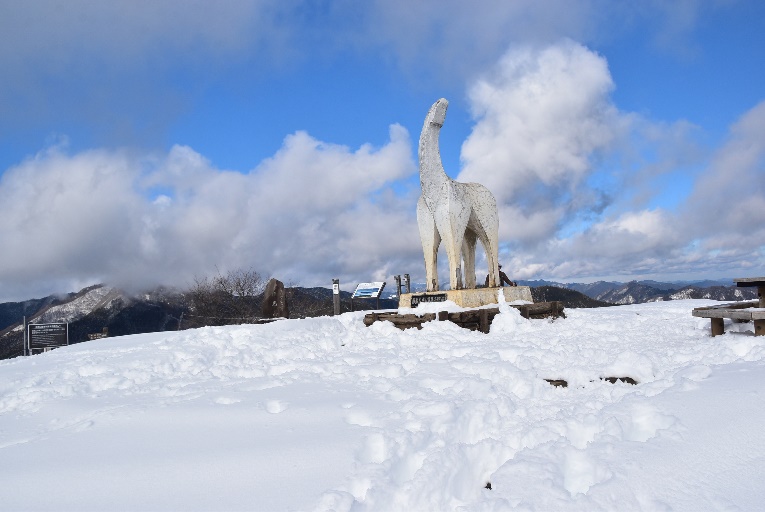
(398, 285)
(718, 326)
(336, 295)
(483, 320)
(408, 286)
(759, 327)
(761, 295)
(443, 316)
(24, 338)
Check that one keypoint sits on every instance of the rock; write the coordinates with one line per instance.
(275, 300)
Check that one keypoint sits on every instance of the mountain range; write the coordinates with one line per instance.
(101, 309)
(637, 292)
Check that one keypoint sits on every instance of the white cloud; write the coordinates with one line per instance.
(716, 232)
(542, 117)
(577, 180)
(628, 237)
(729, 196)
(312, 212)
(53, 203)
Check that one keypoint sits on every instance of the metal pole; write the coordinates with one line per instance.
(24, 338)
(336, 295)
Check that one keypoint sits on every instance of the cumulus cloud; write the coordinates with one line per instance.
(542, 117)
(725, 212)
(717, 230)
(312, 212)
(729, 196)
(579, 183)
(574, 176)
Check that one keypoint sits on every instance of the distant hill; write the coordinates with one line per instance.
(569, 298)
(636, 292)
(12, 312)
(657, 285)
(92, 309)
(536, 283)
(723, 293)
(593, 290)
(631, 293)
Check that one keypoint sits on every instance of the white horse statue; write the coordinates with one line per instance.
(456, 213)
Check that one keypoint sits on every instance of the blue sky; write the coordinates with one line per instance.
(144, 143)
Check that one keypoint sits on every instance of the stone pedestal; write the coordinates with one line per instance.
(467, 298)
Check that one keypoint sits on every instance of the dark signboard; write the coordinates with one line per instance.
(418, 299)
(47, 336)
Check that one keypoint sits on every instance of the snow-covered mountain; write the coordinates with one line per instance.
(91, 310)
(83, 303)
(723, 293)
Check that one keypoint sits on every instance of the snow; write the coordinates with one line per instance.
(78, 307)
(682, 295)
(327, 414)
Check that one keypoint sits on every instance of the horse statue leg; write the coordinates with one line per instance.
(430, 241)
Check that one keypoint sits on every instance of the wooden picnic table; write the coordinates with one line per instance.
(746, 311)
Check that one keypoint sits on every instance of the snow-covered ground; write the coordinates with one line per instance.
(324, 414)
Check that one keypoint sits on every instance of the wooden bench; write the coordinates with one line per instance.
(748, 311)
(473, 319)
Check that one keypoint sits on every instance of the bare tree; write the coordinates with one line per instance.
(233, 298)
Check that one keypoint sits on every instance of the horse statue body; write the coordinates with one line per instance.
(459, 214)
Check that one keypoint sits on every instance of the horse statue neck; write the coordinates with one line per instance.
(432, 174)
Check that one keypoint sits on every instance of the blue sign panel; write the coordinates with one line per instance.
(368, 290)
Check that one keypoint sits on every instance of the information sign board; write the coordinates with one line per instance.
(368, 290)
(47, 336)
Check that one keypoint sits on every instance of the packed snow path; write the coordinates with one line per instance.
(324, 414)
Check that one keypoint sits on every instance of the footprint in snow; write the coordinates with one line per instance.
(275, 406)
